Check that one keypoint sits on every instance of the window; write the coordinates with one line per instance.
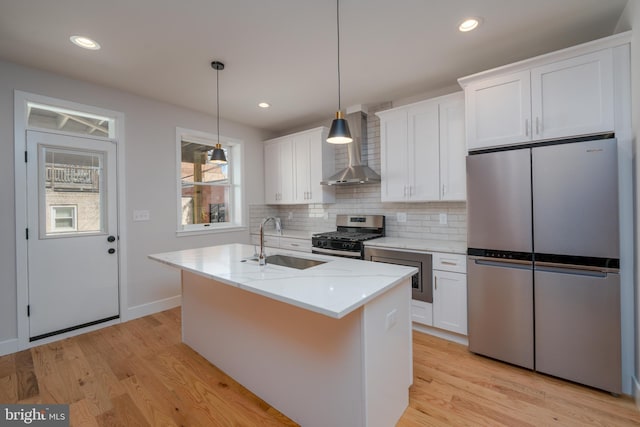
(76, 122)
(63, 218)
(209, 194)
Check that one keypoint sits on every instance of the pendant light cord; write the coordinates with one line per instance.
(338, 26)
(218, 105)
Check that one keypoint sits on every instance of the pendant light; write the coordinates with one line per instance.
(217, 156)
(339, 132)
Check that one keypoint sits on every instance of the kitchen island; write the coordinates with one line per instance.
(328, 345)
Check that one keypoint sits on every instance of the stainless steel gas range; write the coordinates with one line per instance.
(347, 240)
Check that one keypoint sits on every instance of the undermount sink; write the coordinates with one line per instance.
(292, 261)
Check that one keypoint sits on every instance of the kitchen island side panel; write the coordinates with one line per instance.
(306, 365)
(319, 371)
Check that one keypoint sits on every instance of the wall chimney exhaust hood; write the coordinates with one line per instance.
(355, 172)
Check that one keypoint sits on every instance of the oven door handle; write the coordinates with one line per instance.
(347, 254)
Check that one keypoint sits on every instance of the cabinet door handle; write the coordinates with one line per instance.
(444, 189)
(435, 282)
(537, 126)
(526, 127)
(448, 263)
(310, 197)
(295, 244)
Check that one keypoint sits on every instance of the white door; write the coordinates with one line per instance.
(72, 233)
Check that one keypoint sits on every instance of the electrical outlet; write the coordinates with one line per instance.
(443, 219)
(392, 319)
(142, 215)
(401, 217)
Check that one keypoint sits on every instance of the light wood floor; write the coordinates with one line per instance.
(139, 374)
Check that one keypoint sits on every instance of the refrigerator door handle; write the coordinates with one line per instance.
(504, 263)
(579, 270)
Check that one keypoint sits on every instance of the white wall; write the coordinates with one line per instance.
(630, 20)
(150, 129)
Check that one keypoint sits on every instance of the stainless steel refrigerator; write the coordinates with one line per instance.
(543, 265)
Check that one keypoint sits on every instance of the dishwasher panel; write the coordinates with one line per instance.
(500, 310)
(577, 324)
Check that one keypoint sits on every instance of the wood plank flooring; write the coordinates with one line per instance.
(140, 374)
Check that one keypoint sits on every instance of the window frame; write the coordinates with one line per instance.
(54, 217)
(235, 148)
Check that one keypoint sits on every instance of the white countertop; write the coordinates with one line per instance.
(334, 289)
(424, 245)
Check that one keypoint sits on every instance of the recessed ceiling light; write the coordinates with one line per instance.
(264, 105)
(469, 24)
(84, 42)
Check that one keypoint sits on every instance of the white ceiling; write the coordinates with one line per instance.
(284, 51)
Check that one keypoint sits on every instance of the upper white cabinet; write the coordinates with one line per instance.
(556, 98)
(423, 151)
(295, 165)
(278, 167)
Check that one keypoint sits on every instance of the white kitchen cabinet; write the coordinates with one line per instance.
(278, 169)
(498, 111)
(453, 148)
(450, 301)
(450, 292)
(573, 97)
(295, 165)
(556, 99)
(290, 243)
(422, 151)
(422, 312)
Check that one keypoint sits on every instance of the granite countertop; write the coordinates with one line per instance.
(335, 288)
(424, 245)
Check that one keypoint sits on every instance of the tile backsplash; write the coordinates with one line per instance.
(422, 219)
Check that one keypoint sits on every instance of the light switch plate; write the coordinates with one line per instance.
(141, 215)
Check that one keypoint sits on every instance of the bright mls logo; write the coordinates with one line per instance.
(37, 415)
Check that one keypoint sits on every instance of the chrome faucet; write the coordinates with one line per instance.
(262, 259)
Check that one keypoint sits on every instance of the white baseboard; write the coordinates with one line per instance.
(152, 307)
(460, 339)
(636, 392)
(8, 346)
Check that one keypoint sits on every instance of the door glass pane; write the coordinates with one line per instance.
(73, 191)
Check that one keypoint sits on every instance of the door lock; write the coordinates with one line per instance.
(111, 251)
(111, 239)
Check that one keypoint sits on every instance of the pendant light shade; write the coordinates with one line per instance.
(218, 156)
(339, 132)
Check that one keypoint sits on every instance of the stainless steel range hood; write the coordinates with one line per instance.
(355, 172)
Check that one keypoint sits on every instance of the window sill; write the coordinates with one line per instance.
(215, 230)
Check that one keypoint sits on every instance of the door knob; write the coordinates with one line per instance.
(111, 239)
(111, 251)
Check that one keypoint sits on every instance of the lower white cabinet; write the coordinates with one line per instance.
(422, 312)
(449, 308)
(290, 243)
(450, 301)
